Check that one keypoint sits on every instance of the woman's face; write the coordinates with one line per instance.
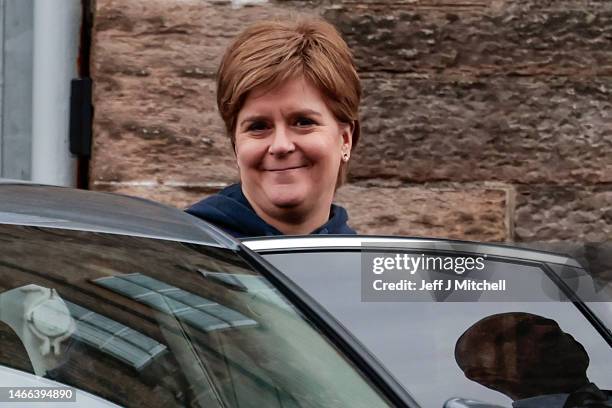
(289, 147)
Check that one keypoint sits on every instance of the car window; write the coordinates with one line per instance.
(416, 339)
(144, 322)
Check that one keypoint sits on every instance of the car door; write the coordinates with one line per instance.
(415, 333)
(144, 321)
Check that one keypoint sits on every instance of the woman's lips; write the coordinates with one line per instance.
(285, 168)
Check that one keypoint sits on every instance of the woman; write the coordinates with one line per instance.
(288, 93)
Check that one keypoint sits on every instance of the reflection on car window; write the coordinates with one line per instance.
(202, 313)
(114, 338)
(142, 322)
(416, 339)
(529, 359)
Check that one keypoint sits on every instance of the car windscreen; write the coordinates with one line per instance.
(145, 322)
(475, 342)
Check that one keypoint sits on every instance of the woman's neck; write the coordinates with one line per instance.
(294, 221)
(294, 224)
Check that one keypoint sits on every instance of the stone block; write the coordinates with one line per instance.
(468, 213)
(575, 214)
(478, 37)
(522, 130)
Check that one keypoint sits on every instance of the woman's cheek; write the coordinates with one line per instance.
(250, 152)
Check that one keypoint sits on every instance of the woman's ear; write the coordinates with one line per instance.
(347, 136)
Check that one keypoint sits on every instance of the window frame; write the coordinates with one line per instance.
(503, 253)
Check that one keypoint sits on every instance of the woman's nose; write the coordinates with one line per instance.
(281, 142)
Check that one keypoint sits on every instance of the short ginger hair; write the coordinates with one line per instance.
(270, 52)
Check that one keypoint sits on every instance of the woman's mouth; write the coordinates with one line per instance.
(280, 169)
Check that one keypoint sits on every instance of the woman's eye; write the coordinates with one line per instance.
(302, 122)
(256, 127)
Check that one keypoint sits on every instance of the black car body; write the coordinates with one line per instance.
(130, 302)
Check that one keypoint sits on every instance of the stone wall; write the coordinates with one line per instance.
(481, 119)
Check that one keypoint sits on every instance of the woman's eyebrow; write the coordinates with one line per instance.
(253, 118)
(306, 112)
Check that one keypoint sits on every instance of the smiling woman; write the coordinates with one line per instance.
(289, 95)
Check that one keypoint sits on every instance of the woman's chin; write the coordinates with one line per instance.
(286, 199)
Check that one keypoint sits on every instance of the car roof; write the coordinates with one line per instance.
(346, 242)
(26, 203)
(23, 203)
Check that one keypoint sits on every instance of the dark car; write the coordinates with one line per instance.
(462, 335)
(124, 301)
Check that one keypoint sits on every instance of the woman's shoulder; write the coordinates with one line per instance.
(230, 210)
(337, 223)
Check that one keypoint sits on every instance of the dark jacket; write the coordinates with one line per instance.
(230, 211)
(588, 396)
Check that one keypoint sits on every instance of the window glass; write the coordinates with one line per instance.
(416, 339)
(143, 322)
